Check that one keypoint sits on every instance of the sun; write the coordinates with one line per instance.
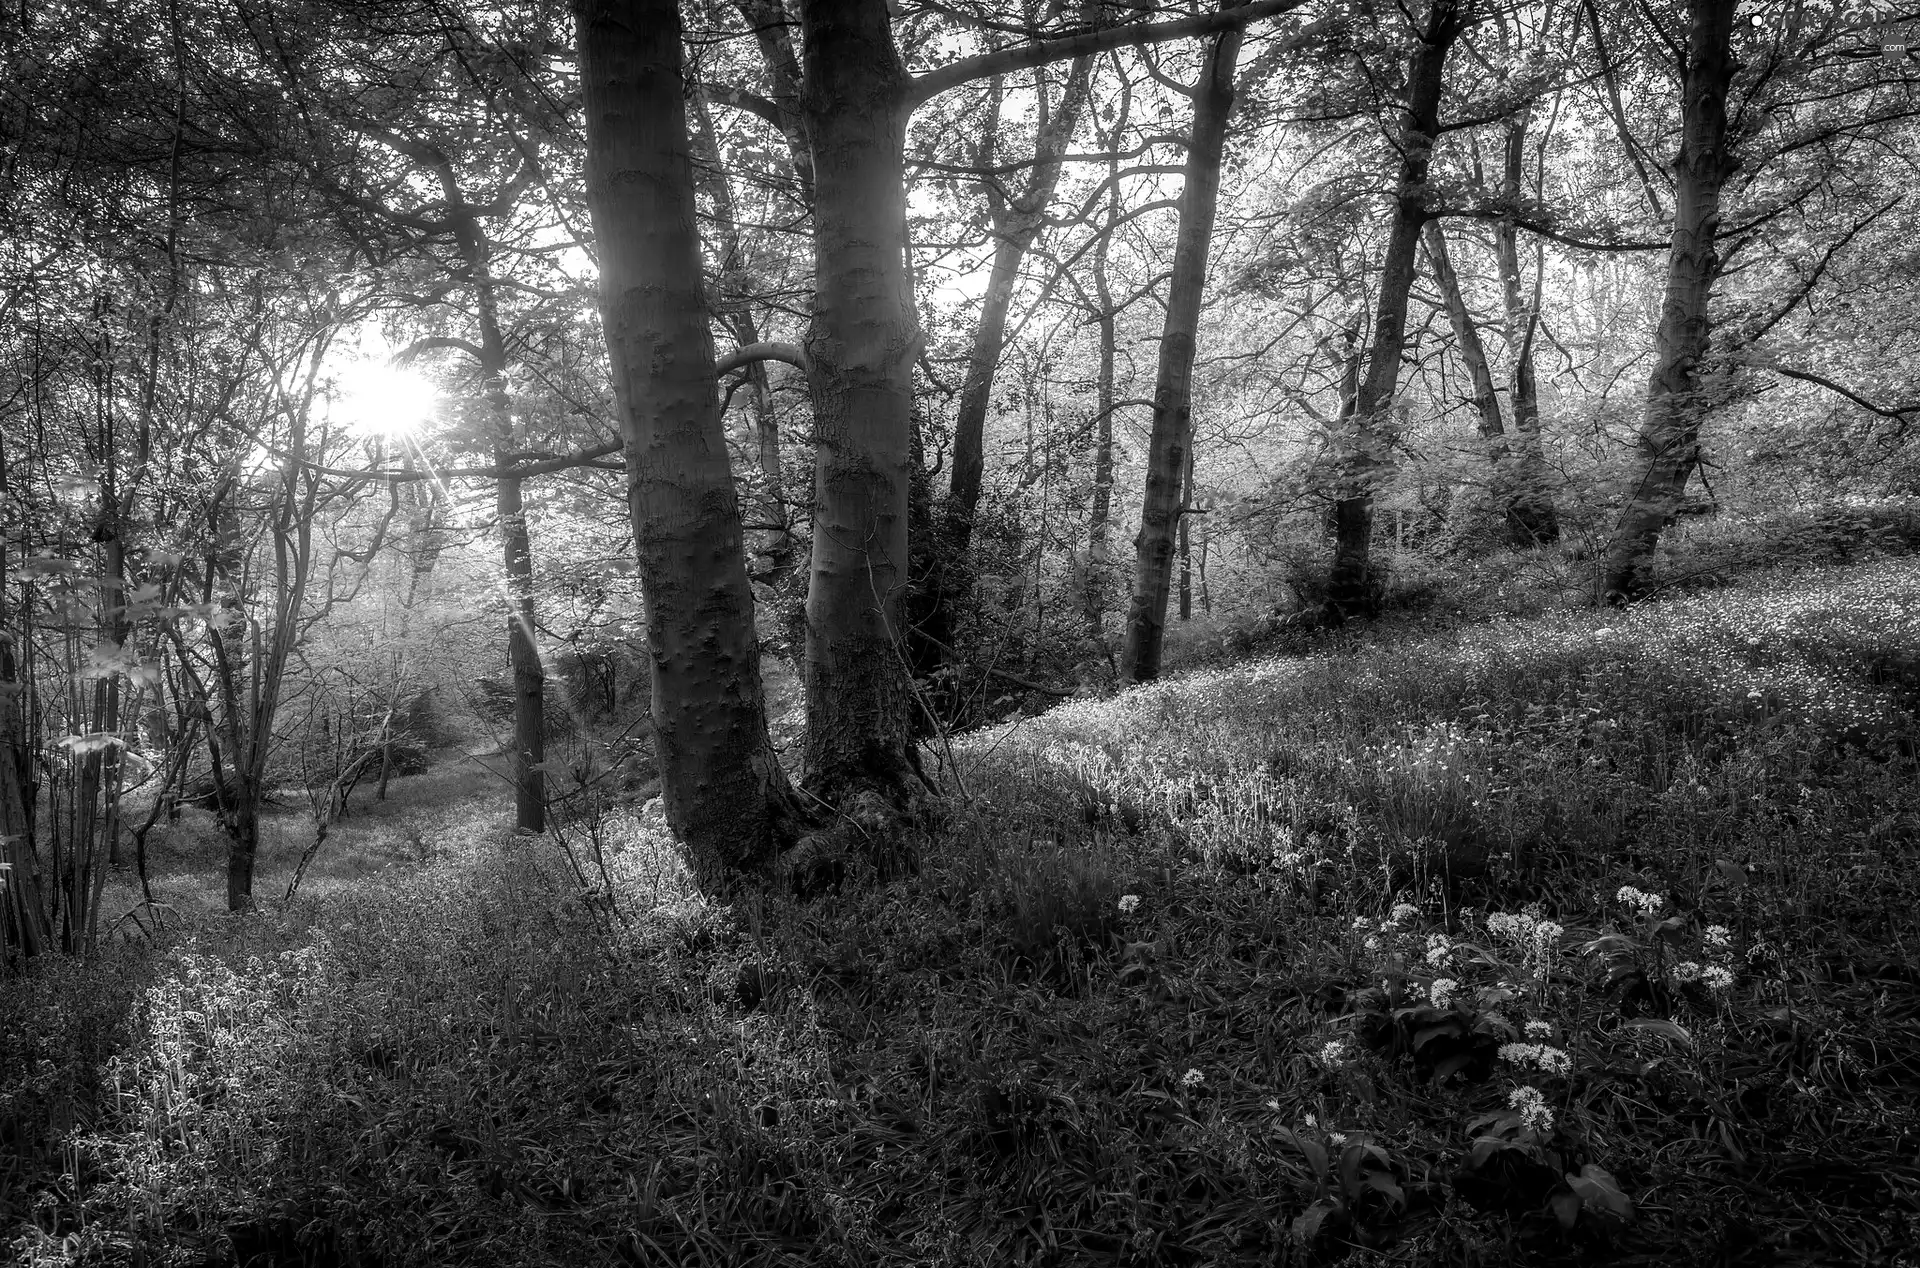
(377, 399)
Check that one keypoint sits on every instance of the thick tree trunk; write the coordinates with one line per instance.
(724, 791)
(861, 347)
(1676, 398)
(1167, 451)
(1531, 518)
(1350, 585)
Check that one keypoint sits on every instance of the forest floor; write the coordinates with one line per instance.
(1590, 937)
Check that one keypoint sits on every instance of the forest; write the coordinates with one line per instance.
(959, 632)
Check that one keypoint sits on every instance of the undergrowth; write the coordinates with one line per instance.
(1583, 938)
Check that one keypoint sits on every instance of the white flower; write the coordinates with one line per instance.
(1685, 971)
(1129, 903)
(1439, 950)
(1605, 631)
(1403, 911)
(1334, 1054)
(1548, 1059)
(1192, 1078)
(1312, 1120)
(1534, 1114)
(1718, 936)
(1539, 1030)
(1645, 902)
(1361, 922)
(1275, 1106)
(1372, 944)
(1336, 1138)
(1715, 978)
(1441, 992)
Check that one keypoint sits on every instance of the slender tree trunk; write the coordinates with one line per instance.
(1167, 452)
(771, 541)
(725, 793)
(516, 546)
(1350, 586)
(1186, 540)
(1466, 337)
(1676, 395)
(861, 347)
(1530, 512)
(23, 918)
(1099, 549)
(1015, 228)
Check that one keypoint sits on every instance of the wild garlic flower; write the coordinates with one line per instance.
(1403, 912)
(1685, 971)
(1548, 1059)
(1129, 903)
(1361, 922)
(1372, 944)
(1638, 898)
(1539, 1030)
(1534, 1114)
(1311, 1119)
(1719, 936)
(1442, 991)
(1439, 950)
(1192, 1079)
(1716, 978)
(1529, 933)
(1334, 1054)
(1336, 1138)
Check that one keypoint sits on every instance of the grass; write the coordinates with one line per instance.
(1584, 937)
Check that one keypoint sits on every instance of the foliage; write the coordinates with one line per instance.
(1524, 943)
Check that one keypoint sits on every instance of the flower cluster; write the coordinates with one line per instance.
(1534, 1114)
(1548, 1059)
(1335, 1054)
(1530, 933)
(1647, 904)
(1439, 950)
(1442, 992)
(1129, 903)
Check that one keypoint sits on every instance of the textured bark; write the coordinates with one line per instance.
(1473, 354)
(772, 31)
(1350, 587)
(724, 792)
(1172, 436)
(1106, 320)
(861, 346)
(1529, 502)
(1676, 400)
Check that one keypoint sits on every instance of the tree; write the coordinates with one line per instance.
(724, 791)
(1169, 455)
(1369, 438)
(1677, 390)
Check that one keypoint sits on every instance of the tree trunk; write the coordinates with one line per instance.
(1099, 549)
(1015, 229)
(1676, 398)
(1351, 590)
(1531, 518)
(1466, 337)
(23, 919)
(724, 791)
(861, 347)
(1167, 452)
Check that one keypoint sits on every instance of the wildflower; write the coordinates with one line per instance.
(1760, 950)
(1605, 631)
(1439, 950)
(1647, 903)
(1192, 1079)
(1718, 936)
(1373, 944)
(1275, 1106)
(1336, 1138)
(1403, 911)
(1716, 978)
(1129, 903)
(1539, 1030)
(1333, 1054)
(1685, 971)
(1312, 1120)
(1441, 992)
(1548, 1059)
(1534, 1114)
(1361, 922)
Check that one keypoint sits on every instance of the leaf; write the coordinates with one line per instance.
(1306, 1225)
(1444, 1070)
(1730, 871)
(1382, 1182)
(1665, 1029)
(1566, 1207)
(1315, 1155)
(1599, 1191)
(1424, 1037)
